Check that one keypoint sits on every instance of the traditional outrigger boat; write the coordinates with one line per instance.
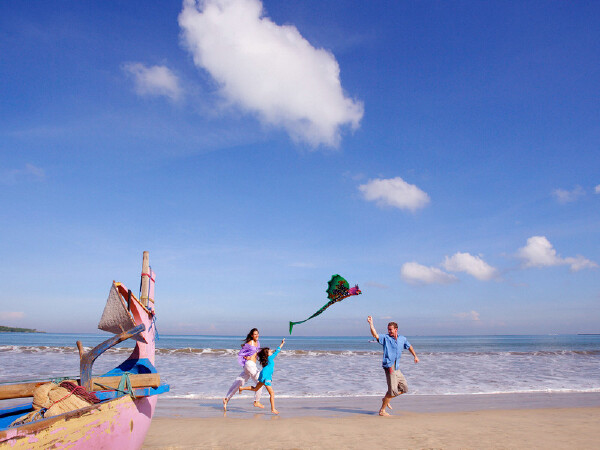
(111, 411)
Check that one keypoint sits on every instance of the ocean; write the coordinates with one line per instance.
(203, 367)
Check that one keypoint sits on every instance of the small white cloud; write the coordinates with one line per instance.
(268, 69)
(473, 265)
(394, 192)
(28, 173)
(539, 252)
(597, 189)
(471, 315)
(415, 273)
(11, 315)
(154, 81)
(563, 196)
(578, 263)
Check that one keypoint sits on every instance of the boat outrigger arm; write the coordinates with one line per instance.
(87, 359)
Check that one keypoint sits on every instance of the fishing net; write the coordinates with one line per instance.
(51, 399)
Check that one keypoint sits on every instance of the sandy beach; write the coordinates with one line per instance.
(514, 421)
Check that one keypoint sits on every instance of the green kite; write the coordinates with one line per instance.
(338, 289)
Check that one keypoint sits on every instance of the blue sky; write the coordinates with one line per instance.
(442, 155)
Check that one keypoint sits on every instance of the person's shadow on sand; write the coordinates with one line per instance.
(341, 410)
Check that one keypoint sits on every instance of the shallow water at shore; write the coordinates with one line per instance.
(201, 368)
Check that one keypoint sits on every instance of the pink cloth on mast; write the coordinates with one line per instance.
(247, 350)
(151, 284)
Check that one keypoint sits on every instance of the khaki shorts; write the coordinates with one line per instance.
(395, 381)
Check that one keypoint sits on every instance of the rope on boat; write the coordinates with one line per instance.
(125, 386)
(153, 324)
(79, 391)
(50, 399)
(59, 380)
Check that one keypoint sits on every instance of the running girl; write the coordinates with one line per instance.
(266, 356)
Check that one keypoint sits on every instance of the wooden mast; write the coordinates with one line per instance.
(145, 279)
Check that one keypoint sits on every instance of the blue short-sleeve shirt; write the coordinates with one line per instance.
(266, 375)
(392, 350)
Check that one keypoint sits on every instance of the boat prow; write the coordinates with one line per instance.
(112, 411)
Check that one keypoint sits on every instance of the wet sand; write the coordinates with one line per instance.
(475, 421)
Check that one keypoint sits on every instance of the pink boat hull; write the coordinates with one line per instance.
(118, 424)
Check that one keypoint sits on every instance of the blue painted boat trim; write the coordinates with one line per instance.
(138, 392)
(135, 366)
(9, 415)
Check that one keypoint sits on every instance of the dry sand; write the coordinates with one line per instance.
(547, 428)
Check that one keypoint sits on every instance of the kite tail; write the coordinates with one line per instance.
(296, 323)
(314, 315)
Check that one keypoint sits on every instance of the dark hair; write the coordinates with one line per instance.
(263, 356)
(249, 337)
(394, 324)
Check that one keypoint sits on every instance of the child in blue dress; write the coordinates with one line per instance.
(266, 356)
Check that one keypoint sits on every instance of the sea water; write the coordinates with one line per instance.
(203, 367)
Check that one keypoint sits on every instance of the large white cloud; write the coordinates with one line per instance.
(155, 80)
(269, 69)
(415, 273)
(394, 192)
(539, 252)
(473, 265)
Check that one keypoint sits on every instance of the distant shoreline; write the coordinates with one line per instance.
(4, 329)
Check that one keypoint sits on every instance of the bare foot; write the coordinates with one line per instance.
(382, 412)
(259, 405)
(274, 411)
(388, 405)
(225, 404)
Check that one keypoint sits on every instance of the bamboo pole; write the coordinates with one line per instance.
(145, 279)
(81, 351)
(24, 390)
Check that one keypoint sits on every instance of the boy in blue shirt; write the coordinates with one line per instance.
(392, 350)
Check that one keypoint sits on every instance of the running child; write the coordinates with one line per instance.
(266, 356)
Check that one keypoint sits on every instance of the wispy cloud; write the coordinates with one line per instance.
(375, 284)
(473, 265)
(302, 265)
(597, 189)
(394, 192)
(539, 252)
(28, 173)
(154, 80)
(11, 315)
(415, 273)
(268, 69)
(470, 315)
(563, 196)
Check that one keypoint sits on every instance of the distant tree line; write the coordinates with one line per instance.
(17, 330)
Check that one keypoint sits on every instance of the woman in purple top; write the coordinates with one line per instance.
(247, 359)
